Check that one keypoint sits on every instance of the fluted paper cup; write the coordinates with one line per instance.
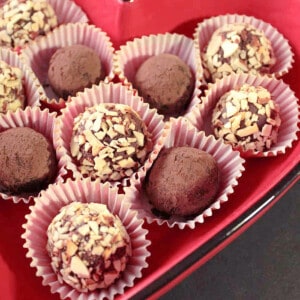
(230, 164)
(41, 121)
(282, 50)
(34, 92)
(68, 11)
(131, 55)
(281, 93)
(47, 206)
(38, 54)
(107, 93)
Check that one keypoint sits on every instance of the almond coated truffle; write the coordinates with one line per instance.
(247, 118)
(238, 48)
(22, 21)
(89, 246)
(12, 94)
(109, 141)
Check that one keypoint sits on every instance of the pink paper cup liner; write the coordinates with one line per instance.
(230, 163)
(41, 121)
(131, 55)
(47, 206)
(282, 50)
(281, 94)
(38, 54)
(68, 11)
(34, 92)
(107, 93)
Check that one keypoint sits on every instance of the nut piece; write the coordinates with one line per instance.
(237, 48)
(12, 94)
(109, 141)
(89, 246)
(23, 20)
(248, 118)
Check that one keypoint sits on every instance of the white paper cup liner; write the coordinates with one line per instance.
(230, 164)
(34, 92)
(107, 93)
(48, 204)
(281, 94)
(37, 55)
(41, 121)
(282, 50)
(130, 56)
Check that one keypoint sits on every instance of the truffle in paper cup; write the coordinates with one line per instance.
(280, 46)
(131, 56)
(109, 94)
(38, 54)
(42, 122)
(47, 206)
(281, 94)
(33, 90)
(26, 21)
(230, 164)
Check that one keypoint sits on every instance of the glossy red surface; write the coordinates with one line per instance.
(169, 246)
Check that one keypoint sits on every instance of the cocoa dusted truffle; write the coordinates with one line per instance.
(109, 141)
(183, 181)
(74, 68)
(238, 48)
(21, 21)
(248, 118)
(166, 83)
(27, 161)
(12, 95)
(88, 245)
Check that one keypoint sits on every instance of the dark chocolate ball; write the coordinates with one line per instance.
(183, 181)
(166, 83)
(74, 68)
(27, 161)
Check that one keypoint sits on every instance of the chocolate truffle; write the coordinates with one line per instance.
(238, 48)
(12, 94)
(74, 68)
(27, 161)
(21, 21)
(183, 181)
(88, 245)
(247, 118)
(166, 83)
(109, 141)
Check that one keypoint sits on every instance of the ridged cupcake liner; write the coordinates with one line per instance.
(68, 11)
(41, 121)
(131, 55)
(34, 92)
(282, 50)
(181, 133)
(37, 55)
(282, 95)
(107, 93)
(47, 206)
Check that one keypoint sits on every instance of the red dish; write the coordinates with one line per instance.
(174, 253)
